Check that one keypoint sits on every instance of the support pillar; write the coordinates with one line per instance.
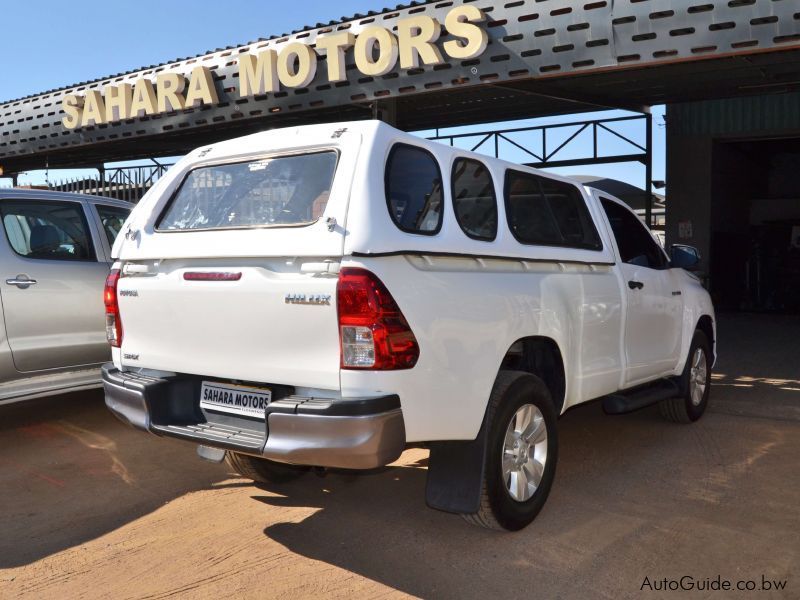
(386, 111)
(102, 182)
(648, 184)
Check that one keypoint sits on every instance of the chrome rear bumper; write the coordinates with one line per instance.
(360, 433)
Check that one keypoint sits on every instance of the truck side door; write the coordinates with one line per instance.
(654, 306)
(52, 281)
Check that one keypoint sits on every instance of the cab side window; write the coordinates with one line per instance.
(414, 190)
(474, 201)
(112, 218)
(636, 245)
(547, 212)
(49, 230)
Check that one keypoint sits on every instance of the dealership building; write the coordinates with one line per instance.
(728, 72)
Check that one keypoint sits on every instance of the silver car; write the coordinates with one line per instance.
(55, 254)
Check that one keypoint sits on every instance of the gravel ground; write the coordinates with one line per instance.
(90, 508)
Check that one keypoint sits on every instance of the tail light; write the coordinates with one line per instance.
(373, 331)
(113, 321)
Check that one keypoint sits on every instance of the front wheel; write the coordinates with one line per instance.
(521, 453)
(695, 384)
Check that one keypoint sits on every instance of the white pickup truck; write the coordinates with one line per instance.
(328, 295)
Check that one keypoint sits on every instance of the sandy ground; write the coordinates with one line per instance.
(90, 508)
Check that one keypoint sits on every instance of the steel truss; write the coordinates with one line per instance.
(548, 154)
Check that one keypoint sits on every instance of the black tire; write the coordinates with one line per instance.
(262, 470)
(682, 409)
(498, 509)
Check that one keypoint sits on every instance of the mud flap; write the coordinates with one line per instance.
(455, 474)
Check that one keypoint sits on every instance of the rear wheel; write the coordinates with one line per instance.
(695, 384)
(262, 470)
(521, 453)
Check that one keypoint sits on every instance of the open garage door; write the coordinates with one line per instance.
(755, 225)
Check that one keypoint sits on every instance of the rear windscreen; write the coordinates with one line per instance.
(286, 190)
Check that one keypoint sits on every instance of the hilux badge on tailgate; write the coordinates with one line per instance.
(320, 299)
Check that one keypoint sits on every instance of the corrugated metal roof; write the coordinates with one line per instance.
(529, 69)
(370, 13)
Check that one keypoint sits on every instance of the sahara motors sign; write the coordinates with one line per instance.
(376, 51)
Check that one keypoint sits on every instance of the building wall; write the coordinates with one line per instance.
(744, 115)
(709, 182)
(689, 168)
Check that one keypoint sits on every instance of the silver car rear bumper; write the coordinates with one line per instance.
(361, 433)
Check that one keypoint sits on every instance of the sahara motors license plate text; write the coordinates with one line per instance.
(234, 399)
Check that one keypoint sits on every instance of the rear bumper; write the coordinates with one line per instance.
(361, 433)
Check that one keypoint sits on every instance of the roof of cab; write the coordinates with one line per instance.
(285, 137)
(34, 194)
(370, 229)
(320, 135)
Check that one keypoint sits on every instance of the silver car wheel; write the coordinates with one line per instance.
(524, 452)
(698, 377)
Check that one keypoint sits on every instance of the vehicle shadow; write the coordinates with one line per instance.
(607, 486)
(633, 495)
(70, 472)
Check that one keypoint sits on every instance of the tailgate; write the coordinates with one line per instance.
(230, 271)
(288, 201)
(254, 320)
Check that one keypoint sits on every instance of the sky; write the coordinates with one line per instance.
(48, 44)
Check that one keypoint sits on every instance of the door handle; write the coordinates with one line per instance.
(635, 285)
(21, 281)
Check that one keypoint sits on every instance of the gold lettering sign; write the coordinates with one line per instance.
(297, 65)
(170, 88)
(144, 98)
(94, 109)
(416, 37)
(258, 74)
(460, 22)
(73, 106)
(201, 88)
(334, 45)
(118, 102)
(375, 50)
(375, 40)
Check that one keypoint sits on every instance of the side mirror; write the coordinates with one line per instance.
(684, 257)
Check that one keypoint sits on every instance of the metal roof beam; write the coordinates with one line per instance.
(541, 59)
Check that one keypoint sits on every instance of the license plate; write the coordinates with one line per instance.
(234, 399)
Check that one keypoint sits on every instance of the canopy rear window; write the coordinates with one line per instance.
(279, 191)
